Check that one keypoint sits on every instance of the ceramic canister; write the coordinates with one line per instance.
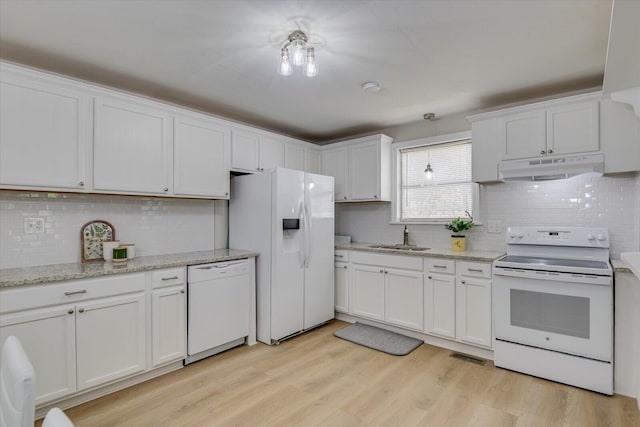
(107, 249)
(131, 249)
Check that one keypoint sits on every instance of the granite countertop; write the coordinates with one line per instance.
(481, 256)
(23, 276)
(620, 266)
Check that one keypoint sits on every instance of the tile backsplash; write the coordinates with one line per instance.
(156, 225)
(608, 201)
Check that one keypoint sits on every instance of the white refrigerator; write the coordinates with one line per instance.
(287, 216)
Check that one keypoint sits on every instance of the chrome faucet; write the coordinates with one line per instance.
(405, 242)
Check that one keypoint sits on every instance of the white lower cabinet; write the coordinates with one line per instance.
(168, 309)
(473, 317)
(49, 338)
(440, 304)
(341, 272)
(403, 300)
(110, 339)
(367, 290)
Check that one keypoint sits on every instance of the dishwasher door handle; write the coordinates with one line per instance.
(222, 265)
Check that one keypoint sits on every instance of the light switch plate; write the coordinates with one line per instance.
(33, 225)
(494, 226)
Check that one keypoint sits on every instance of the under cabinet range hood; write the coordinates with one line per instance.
(550, 168)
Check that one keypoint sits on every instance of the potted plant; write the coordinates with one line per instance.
(458, 226)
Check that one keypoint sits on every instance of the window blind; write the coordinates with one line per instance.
(454, 189)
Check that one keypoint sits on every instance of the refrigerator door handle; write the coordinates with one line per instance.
(302, 252)
(307, 236)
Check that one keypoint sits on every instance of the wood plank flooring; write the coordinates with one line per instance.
(319, 380)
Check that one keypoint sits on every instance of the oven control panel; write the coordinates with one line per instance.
(559, 236)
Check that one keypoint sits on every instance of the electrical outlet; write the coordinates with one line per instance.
(33, 225)
(494, 226)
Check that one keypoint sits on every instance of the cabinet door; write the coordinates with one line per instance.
(404, 304)
(44, 133)
(335, 164)
(168, 310)
(367, 284)
(201, 158)
(131, 148)
(294, 157)
(473, 303)
(271, 153)
(620, 137)
(440, 305)
(364, 171)
(110, 339)
(525, 134)
(245, 147)
(312, 161)
(488, 149)
(342, 286)
(573, 128)
(48, 338)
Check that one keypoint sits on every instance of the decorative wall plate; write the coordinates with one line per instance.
(92, 234)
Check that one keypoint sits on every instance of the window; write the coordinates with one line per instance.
(454, 191)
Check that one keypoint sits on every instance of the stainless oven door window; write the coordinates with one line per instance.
(573, 318)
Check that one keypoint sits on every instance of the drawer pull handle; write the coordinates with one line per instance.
(170, 278)
(339, 256)
(477, 270)
(440, 266)
(84, 291)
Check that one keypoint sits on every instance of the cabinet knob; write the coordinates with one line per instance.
(345, 197)
(81, 310)
(70, 311)
(429, 277)
(550, 151)
(226, 193)
(182, 291)
(385, 272)
(463, 281)
(344, 266)
(165, 189)
(375, 196)
(542, 152)
(81, 183)
(381, 271)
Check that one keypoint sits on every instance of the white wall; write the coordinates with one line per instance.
(156, 225)
(608, 201)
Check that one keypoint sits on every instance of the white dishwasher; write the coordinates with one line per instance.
(218, 307)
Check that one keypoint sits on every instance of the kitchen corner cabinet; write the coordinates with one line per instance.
(361, 169)
(202, 156)
(252, 152)
(45, 132)
(620, 137)
(131, 148)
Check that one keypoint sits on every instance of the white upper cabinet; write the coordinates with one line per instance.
(201, 158)
(361, 169)
(312, 161)
(559, 127)
(620, 137)
(132, 148)
(44, 133)
(335, 164)
(252, 152)
(294, 157)
(271, 153)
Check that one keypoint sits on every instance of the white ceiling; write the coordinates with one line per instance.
(221, 56)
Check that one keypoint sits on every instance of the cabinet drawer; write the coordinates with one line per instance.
(474, 269)
(29, 297)
(393, 261)
(435, 265)
(341, 255)
(169, 277)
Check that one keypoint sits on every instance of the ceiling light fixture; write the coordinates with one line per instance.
(429, 176)
(371, 87)
(300, 55)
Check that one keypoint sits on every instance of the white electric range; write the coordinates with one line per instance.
(553, 305)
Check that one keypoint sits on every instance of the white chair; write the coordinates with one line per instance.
(17, 390)
(17, 386)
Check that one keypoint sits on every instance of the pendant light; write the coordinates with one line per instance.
(295, 53)
(429, 176)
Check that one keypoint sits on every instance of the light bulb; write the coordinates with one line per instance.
(285, 68)
(429, 176)
(311, 67)
(299, 53)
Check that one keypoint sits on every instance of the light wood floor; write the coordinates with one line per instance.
(319, 380)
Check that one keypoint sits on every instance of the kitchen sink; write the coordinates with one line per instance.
(400, 247)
